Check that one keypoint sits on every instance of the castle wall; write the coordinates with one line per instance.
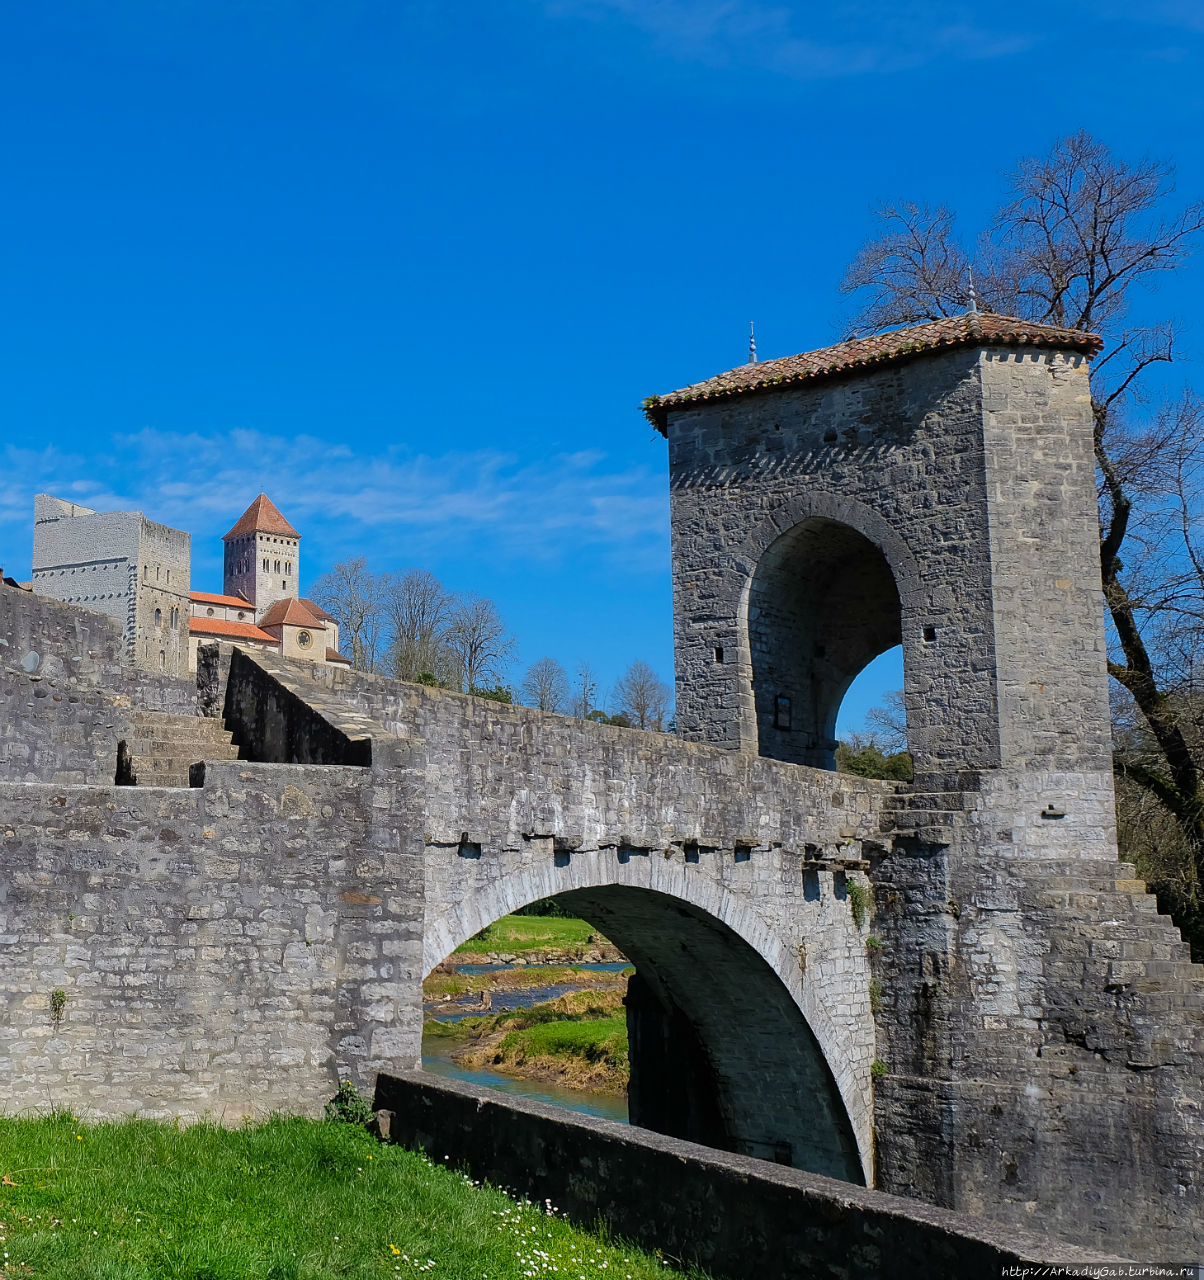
(67, 691)
(224, 951)
(162, 604)
(120, 564)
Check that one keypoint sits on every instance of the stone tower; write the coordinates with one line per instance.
(1039, 1027)
(262, 557)
(933, 487)
(122, 564)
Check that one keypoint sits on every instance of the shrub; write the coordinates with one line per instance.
(349, 1106)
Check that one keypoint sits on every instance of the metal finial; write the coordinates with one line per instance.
(973, 295)
(752, 343)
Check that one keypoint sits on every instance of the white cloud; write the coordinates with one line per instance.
(395, 508)
(808, 41)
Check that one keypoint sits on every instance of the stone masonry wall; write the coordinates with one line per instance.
(224, 951)
(521, 805)
(737, 1217)
(67, 692)
(871, 452)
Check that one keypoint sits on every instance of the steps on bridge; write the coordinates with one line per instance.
(926, 815)
(164, 747)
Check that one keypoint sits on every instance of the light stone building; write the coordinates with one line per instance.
(139, 572)
(122, 564)
(259, 605)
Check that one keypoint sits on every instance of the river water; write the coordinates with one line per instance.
(436, 1053)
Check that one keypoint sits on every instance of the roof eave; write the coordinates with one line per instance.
(657, 408)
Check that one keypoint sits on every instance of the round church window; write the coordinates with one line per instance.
(304, 639)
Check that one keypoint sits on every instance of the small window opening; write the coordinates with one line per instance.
(718, 653)
(781, 712)
(158, 617)
(929, 633)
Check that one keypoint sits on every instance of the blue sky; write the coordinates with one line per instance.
(411, 267)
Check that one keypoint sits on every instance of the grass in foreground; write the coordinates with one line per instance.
(287, 1200)
(531, 933)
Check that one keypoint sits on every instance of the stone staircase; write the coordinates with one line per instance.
(164, 747)
(925, 815)
(1131, 947)
(1123, 942)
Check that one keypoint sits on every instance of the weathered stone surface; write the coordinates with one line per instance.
(737, 1217)
(1023, 1039)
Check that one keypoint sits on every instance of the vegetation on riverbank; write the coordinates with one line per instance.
(290, 1199)
(578, 1040)
(439, 986)
(523, 934)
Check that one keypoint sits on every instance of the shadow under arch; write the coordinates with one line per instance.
(722, 1051)
(822, 602)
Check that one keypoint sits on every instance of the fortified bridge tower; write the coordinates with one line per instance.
(934, 487)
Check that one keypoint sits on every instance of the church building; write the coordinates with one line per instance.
(260, 605)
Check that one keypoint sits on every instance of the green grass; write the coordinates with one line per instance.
(592, 1040)
(530, 933)
(286, 1200)
(579, 1040)
(460, 984)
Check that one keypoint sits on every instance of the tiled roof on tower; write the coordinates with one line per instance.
(262, 517)
(294, 612)
(975, 329)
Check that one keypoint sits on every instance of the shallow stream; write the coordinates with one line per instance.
(436, 1052)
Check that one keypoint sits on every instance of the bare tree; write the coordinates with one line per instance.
(353, 595)
(546, 685)
(1079, 231)
(479, 641)
(419, 611)
(887, 723)
(643, 696)
(586, 691)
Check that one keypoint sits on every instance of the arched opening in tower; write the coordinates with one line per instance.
(822, 605)
(719, 1052)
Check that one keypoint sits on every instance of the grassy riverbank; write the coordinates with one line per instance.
(456, 985)
(578, 1040)
(287, 1200)
(522, 934)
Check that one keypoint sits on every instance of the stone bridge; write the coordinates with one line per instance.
(1023, 1040)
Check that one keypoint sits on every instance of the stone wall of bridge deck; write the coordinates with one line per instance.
(224, 951)
(67, 691)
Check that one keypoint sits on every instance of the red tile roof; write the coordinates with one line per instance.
(972, 330)
(229, 602)
(220, 627)
(333, 655)
(293, 612)
(317, 610)
(261, 517)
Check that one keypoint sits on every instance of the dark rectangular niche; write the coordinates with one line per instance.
(811, 885)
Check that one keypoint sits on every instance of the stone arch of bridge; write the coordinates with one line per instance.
(787, 1080)
(829, 586)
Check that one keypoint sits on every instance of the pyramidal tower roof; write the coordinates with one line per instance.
(261, 517)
